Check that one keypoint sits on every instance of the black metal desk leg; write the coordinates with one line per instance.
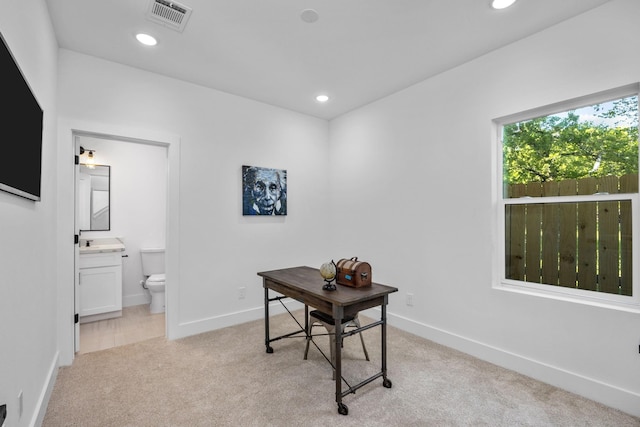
(385, 382)
(266, 320)
(338, 315)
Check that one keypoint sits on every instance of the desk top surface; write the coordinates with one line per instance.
(308, 280)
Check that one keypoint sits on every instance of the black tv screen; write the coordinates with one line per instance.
(20, 131)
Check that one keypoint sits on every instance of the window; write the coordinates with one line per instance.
(569, 179)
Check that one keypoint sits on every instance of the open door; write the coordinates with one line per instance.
(76, 247)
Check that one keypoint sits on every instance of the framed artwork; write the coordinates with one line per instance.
(264, 191)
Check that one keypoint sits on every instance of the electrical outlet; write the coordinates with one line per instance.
(410, 299)
(242, 292)
(20, 404)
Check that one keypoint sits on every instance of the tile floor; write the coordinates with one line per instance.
(136, 324)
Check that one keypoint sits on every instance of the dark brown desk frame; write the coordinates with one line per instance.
(304, 284)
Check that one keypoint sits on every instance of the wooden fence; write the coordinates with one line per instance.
(584, 245)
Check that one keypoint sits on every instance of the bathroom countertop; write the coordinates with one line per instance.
(97, 245)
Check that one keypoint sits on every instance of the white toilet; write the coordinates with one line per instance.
(153, 271)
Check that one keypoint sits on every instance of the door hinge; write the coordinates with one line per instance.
(76, 159)
(76, 318)
(76, 239)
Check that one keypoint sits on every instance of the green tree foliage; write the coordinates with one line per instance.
(558, 147)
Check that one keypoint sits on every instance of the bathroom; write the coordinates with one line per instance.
(137, 216)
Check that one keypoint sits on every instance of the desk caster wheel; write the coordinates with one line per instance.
(387, 383)
(342, 409)
(269, 349)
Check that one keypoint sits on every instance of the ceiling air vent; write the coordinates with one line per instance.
(169, 13)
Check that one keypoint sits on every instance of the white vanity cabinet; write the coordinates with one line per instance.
(100, 285)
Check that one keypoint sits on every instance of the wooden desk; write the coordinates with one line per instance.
(304, 284)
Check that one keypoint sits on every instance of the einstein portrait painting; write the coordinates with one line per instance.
(264, 191)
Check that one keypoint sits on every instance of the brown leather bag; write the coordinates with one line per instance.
(354, 273)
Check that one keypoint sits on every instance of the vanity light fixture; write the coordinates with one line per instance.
(502, 4)
(90, 161)
(146, 39)
(322, 98)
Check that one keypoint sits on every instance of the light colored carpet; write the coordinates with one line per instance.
(225, 378)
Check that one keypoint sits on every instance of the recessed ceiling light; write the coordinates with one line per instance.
(501, 4)
(309, 16)
(146, 39)
(322, 98)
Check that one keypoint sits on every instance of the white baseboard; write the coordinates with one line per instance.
(607, 394)
(230, 319)
(45, 394)
(101, 316)
(138, 299)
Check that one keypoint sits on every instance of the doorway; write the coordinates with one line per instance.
(137, 208)
(136, 324)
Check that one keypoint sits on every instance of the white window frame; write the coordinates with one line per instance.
(500, 282)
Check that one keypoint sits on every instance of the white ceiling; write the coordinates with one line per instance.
(356, 52)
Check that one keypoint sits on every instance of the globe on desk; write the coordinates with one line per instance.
(328, 273)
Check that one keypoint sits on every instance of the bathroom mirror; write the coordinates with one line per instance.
(94, 184)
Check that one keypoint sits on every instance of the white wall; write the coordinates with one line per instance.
(219, 250)
(138, 204)
(420, 163)
(28, 345)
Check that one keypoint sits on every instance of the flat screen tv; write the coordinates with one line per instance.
(20, 131)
